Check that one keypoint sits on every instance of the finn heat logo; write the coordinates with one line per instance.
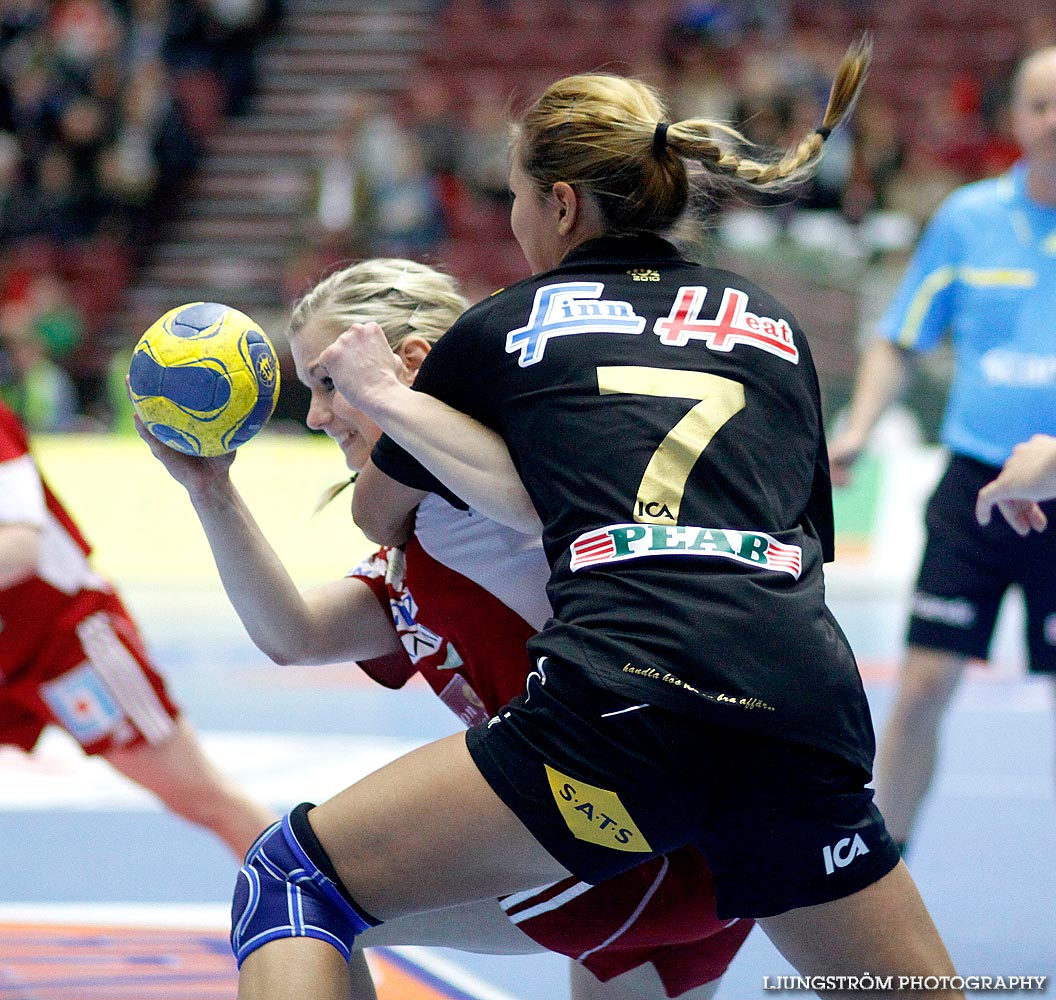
(567, 308)
(733, 325)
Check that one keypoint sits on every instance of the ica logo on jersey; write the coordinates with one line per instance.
(843, 852)
(653, 509)
(595, 815)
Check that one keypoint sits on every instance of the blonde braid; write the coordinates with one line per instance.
(694, 139)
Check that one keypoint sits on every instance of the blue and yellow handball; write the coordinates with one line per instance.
(204, 378)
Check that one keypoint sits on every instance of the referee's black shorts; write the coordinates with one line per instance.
(966, 570)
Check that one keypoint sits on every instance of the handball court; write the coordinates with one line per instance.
(103, 895)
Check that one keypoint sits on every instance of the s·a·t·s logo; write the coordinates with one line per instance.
(595, 815)
(843, 852)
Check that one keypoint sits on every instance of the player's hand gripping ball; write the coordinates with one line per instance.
(204, 378)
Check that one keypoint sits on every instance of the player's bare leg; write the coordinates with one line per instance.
(179, 773)
(481, 927)
(295, 968)
(883, 929)
(905, 760)
(427, 831)
(422, 833)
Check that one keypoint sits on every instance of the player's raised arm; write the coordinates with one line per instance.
(203, 381)
(462, 453)
(338, 620)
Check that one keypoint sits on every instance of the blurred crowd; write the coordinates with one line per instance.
(426, 173)
(104, 105)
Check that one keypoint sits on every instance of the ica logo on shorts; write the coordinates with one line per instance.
(843, 852)
(595, 815)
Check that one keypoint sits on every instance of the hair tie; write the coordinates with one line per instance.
(824, 131)
(660, 138)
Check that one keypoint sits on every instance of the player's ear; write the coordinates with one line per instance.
(567, 206)
(412, 352)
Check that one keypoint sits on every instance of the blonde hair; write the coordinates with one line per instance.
(601, 132)
(405, 298)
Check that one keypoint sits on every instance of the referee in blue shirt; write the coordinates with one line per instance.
(984, 274)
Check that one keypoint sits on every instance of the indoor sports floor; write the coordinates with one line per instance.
(102, 895)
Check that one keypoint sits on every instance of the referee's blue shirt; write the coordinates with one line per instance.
(985, 271)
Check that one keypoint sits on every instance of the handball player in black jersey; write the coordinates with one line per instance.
(692, 687)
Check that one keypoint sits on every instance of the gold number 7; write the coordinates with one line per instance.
(661, 489)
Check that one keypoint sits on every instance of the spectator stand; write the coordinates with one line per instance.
(316, 168)
(146, 168)
(104, 106)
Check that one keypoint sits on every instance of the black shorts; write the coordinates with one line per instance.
(966, 570)
(603, 782)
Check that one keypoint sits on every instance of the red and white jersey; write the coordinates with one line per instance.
(465, 596)
(505, 563)
(70, 654)
(470, 647)
(467, 644)
(29, 609)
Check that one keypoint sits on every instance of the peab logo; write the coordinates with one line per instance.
(843, 852)
(618, 542)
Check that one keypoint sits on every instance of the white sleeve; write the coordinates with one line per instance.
(508, 564)
(21, 493)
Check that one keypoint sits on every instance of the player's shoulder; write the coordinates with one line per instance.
(482, 328)
(719, 277)
(508, 300)
(624, 276)
(642, 281)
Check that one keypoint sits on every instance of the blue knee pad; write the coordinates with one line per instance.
(287, 887)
